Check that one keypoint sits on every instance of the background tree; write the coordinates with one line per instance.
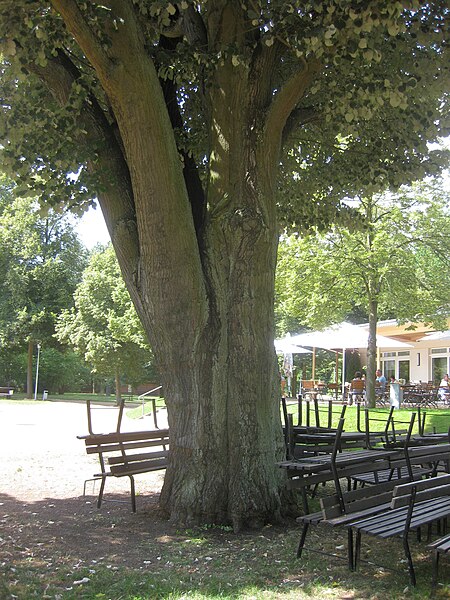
(103, 325)
(393, 265)
(176, 116)
(41, 260)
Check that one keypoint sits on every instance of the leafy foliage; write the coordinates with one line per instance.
(103, 325)
(363, 124)
(398, 259)
(41, 260)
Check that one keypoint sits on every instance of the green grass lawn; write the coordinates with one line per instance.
(436, 419)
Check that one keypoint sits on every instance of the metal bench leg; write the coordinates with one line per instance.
(434, 576)
(412, 575)
(351, 558)
(357, 550)
(305, 500)
(302, 539)
(133, 493)
(100, 493)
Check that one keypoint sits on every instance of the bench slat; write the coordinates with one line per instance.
(136, 468)
(128, 436)
(442, 544)
(119, 447)
(129, 458)
(443, 490)
(424, 484)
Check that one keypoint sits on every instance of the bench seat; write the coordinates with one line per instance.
(413, 505)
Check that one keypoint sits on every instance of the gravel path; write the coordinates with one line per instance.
(42, 457)
(43, 513)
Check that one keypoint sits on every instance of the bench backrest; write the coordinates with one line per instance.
(425, 489)
(357, 385)
(119, 442)
(359, 499)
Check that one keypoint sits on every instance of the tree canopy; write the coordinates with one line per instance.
(367, 80)
(394, 265)
(103, 325)
(178, 117)
(398, 257)
(41, 260)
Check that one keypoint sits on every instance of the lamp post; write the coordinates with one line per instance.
(37, 372)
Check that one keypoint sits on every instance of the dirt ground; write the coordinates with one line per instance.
(43, 513)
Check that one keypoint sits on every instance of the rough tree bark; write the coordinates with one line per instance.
(202, 284)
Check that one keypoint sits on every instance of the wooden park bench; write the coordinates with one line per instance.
(6, 392)
(342, 508)
(413, 506)
(128, 454)
(345, 507)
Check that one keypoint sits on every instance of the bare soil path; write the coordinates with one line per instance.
(43, 513)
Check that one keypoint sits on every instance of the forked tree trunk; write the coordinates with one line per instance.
(222, 398)
(202, 281)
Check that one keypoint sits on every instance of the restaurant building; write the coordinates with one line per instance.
(428, 358)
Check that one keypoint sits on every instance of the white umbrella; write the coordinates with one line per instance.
(286, 347)
(343, 336)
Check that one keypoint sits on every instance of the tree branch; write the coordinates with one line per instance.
(115, 194)
(76, 22)
(282, 106)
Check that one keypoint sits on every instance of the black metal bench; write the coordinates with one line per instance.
(413, 505)
(129, 454)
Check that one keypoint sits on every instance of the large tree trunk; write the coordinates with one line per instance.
(202, 282)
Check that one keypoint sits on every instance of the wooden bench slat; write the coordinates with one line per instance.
(424, 484)
(443, 490)
(138, 468)
(130, 458)
(127, 436)
(443, 544)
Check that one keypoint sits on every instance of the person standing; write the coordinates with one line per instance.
(444, 389)
(380, 381)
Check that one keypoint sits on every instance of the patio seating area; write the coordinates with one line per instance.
(396, 474)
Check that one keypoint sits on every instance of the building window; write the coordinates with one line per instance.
(439, 364)
(396, 364)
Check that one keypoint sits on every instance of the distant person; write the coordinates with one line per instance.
(391, 379)
(357, 387)
(444, 389)
(380, 382)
